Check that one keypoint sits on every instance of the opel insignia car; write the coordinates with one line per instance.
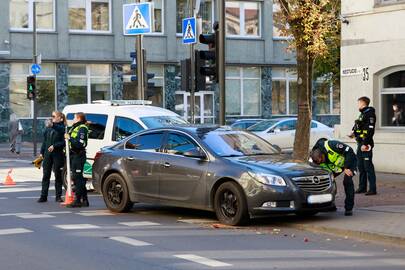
(234, 173)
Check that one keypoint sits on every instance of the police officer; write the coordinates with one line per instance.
(77, 137)
(337, 157)
(52, 153)
(363, 131)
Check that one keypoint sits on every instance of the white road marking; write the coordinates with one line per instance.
(15, 190)
(202, 260)
(130, 241)
(57, 212)
(35, 216)
(3, 198)
(139, 223)
(2, 186)
(14, 231)
(28, 197)
(77, 226)
(95, 213)
(13, 214)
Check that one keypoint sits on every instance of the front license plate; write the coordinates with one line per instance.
(322, 198)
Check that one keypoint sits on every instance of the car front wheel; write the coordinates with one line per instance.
(115, 194)
(230, 204)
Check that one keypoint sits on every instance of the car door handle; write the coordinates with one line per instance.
(130, 158)
(166, 165)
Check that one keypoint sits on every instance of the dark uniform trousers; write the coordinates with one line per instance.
(349, 192)
(77, 165)
(366, 169)
(52, 161)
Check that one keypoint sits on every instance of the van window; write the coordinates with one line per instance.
(96, 124)
(123, 127)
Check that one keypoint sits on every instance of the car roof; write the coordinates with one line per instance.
(248, 120)
(129, 110)
(193, 129)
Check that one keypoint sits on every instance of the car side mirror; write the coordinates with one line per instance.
(194, 153)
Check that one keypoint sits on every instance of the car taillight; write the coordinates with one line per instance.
(98, 155)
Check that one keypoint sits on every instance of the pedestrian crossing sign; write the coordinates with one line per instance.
(137, 18)
(189, 31)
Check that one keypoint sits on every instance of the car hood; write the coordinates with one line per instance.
(281, 164)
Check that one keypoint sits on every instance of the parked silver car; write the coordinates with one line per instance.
(234, 173)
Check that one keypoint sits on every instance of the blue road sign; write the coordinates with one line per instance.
(137, 18)
(35, 69)
(189, 30)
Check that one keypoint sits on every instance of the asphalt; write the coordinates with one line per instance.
(49, 236)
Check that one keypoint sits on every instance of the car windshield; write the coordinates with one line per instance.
(236, 143)
(263, 125)
(163, 121)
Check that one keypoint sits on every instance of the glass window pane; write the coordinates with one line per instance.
(232, 15)
(77, 14)
(322, 97)
(149, 142)
(19, 103)
(208, 105)
(45, 97)
(278, 73)
(251, 19)
(100, 16)
(157, 6)
(395, 80)
(77, 90)
(277, 19)
(251, 72)
(278, 97)
(205, 13)
(19, 69)
(77, 69)
(45, 14)
(100, 70)
(179, 107)
(232, 72)
(100, 89)
(293, 97)
(336, 99)
(251, 97)
(182, 13)
(19, 14)
(96, 124)
(178, 144)
(233, 98)
(124, 127)
(392, 113)
(47, 69)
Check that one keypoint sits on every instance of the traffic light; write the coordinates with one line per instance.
(185, 74)
(207, 60)
(133, 66)
(31, 87)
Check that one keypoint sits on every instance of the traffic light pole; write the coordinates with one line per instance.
(140, 66)
(34, 54)
(192, 71)
(221, 61)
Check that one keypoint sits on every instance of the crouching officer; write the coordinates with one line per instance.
(337, 157)
(363, 131)
(77, 137)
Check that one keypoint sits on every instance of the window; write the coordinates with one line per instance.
(157, 6)
(287, 125)
(96, 124)
(89, 15)
(393, 100)
(387, 2)
(327, 98)
(243, 91)
(124, 127)
(21, 14)
(284, 92)
(46, 88)
(205, 14)
(154, 94)
(179, 144)
(87, 83)
(242, 18)
(151, 142)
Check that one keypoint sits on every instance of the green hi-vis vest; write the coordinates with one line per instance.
(336, 161)
(75, 131)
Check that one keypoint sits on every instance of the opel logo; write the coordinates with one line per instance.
(316, 180)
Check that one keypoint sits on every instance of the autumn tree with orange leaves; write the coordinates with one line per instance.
(314, 25)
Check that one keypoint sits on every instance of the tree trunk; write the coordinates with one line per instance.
(302, 134)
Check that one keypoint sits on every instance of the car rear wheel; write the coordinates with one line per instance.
(230, 204)
(115, 194)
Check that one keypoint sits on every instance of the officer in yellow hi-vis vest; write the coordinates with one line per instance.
(77, 137)
(337, 157)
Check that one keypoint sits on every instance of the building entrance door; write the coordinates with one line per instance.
(204, 106)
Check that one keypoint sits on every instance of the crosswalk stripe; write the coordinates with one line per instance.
(14, 231)
(95, 213)
(77, 226)
(15, 190)
(130, 241)
(202, 260)
(13, 214)
(3, 198)
(35, 216)
(57, 212)
(139, 223)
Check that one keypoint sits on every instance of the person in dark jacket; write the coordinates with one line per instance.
(363, 131)
(337, 157)
(53, 155)
(78, 136)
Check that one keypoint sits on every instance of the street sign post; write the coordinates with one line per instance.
(35, 69)
(137, 18)
(189, 31)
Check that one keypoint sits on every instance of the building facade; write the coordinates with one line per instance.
(373, 65)
(86, 57)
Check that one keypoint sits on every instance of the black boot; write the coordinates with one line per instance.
(42, 199)
(74, 204)
(85, 202)
(58, 199)
(359, 191)
(348, 213)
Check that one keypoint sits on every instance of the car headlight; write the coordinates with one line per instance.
(268, 179)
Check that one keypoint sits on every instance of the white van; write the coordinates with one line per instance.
(111, 121)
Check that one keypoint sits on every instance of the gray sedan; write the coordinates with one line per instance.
(234, 173)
